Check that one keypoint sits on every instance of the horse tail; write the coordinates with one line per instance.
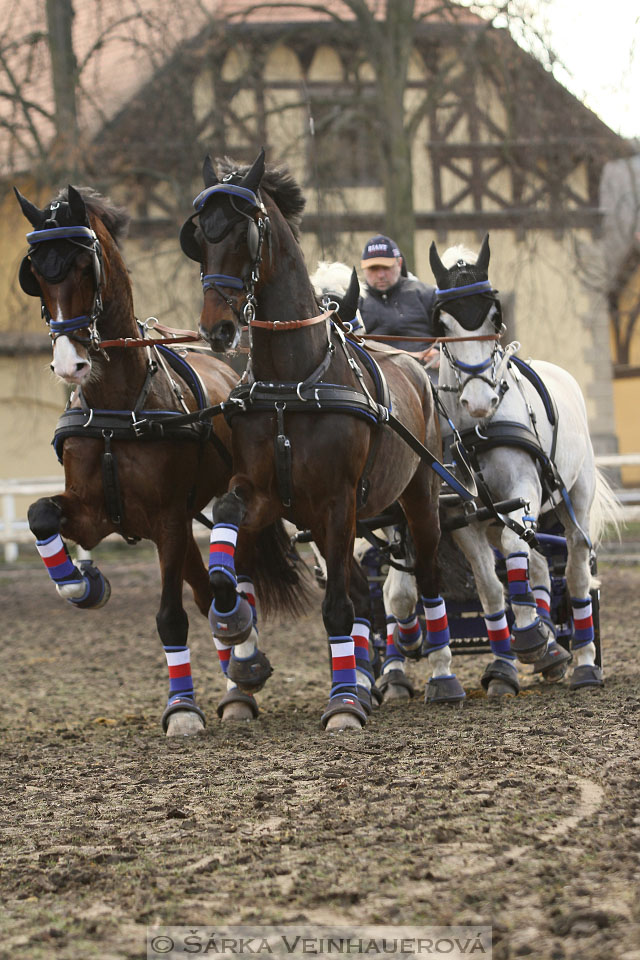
(278, 574)
(606, 510)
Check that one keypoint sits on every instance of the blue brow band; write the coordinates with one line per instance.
(59, 233)
(222, 280)
(231, 188)
(467, 290)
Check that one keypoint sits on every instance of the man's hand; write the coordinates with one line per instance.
(430, 358)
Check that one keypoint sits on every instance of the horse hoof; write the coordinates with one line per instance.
(184, 723)
(250, 674)
(498, 688)
(393, 692)
(182, 718)
(444, 690)
(237, 712)
(530, 643)
(347, 710)
(588, 675)
(500, 679)
(236, 705)
(394, 685)
(343, 721)
(553, 665)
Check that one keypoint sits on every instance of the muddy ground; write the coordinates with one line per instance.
(522, 814)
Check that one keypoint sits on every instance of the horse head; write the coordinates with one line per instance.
(244, 233)
(67, 266)
(466, 305)
(226, 235)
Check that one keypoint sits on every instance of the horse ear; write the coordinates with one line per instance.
(349, 304)
(483, 257)
(252, 179)
(438, 268)
(77, 206)
(208, 172)
(31, 212)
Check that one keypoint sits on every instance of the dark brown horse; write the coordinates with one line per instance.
(114, 481)
(309, 440)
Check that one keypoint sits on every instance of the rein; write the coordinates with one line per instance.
(488, 336)
(149, 341)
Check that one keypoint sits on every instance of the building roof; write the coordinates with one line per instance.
(119, 45)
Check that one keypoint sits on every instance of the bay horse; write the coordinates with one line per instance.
(309, 442)
(114, 480)
(526, 426)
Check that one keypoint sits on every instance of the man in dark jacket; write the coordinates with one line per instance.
(394, 304)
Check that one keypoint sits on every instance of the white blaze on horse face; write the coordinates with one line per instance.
(67, 362)
(478, 397)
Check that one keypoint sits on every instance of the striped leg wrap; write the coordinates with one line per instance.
(499, 635)
(437, 624)
(542, 596)
(180, 681)
(224, 654)
(247, 589)
(409, 632)
(343, 665)
(518, 577)
(392, 654)
(56, 559)
(583, 632)
(360, 636)
(85, 587)
(222, 550)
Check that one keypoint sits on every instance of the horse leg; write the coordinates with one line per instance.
(181, 716)
(531, 632)
(360, 634)
(420, 505)
(500, 677)
(586, 673)
(81, 584)
(344, 710)
(553, 665)
(233, 615)
(400, 595)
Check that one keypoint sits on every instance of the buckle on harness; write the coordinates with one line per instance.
(140, 427)
(470, 508)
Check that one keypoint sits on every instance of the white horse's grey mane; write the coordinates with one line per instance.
(331, 278)
(458, 252)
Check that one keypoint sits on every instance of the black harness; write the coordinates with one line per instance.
(108, 425)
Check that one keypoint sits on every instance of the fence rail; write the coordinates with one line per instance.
(14, 530)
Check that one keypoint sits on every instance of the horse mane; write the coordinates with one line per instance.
(458, 252)
(115, 219)
(281, 186)
(331, 278)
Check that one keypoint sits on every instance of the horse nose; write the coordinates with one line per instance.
(479, 412)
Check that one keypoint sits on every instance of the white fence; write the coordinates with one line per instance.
(14, 529)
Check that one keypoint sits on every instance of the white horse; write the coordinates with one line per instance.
(527, 427)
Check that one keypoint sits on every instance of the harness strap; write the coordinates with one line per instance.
(111, 487)
(282, 448)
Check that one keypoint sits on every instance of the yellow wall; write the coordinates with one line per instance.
(626, 398)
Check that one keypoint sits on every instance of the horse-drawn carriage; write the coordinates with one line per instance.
(319, 432)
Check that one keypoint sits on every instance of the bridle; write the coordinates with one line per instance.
(68, 328)
(496, 362)
(258, 230)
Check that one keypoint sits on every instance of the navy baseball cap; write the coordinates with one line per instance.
(379, 252)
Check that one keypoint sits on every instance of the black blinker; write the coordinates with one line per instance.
(188, 241)
(27, 280)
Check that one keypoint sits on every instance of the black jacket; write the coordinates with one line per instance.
(405, 309)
